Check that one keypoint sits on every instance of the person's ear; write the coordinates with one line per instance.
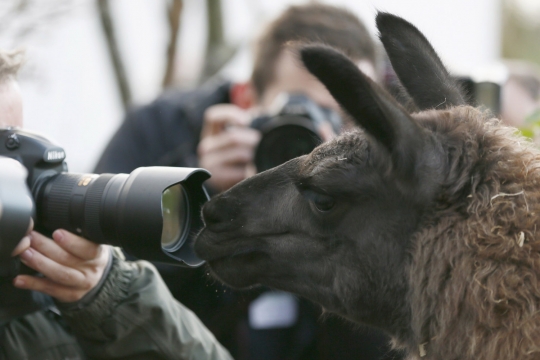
(243, 95)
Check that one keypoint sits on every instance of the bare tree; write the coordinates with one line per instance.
(112, 45)
(174, 13)
(218, 51)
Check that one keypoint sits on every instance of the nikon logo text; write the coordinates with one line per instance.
(55, 155)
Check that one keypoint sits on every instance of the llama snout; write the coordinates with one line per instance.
(221, 214)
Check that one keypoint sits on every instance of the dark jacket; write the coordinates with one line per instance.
(132, 316)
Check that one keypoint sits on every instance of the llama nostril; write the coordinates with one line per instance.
(219, 214)
(211, 214)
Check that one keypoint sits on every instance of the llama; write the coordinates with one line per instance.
(421, 224)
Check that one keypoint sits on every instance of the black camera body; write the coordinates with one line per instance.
(483, 93)
(39, 156)
(153, 213)
(293, 129)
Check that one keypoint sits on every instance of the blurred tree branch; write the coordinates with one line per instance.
(118, 65)
(174, 14)
(20, 19)
(218, 52)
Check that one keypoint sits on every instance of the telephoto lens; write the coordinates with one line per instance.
(153, 213)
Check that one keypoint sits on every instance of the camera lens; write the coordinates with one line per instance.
(152, 213)
(284, 143)
(175, 211)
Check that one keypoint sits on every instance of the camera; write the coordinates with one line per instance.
(152, 213)
(482, 93)
(291, 129)
(484, 86)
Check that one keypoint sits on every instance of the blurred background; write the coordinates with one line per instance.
(91, 60)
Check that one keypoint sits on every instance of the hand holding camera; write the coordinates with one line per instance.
(227, 145)
(71, 266)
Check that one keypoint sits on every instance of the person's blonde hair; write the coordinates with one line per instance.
(10, 63)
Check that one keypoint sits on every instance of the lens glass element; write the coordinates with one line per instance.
(175, 211)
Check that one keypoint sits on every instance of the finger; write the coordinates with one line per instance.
(229, 157)
(21, 246)
(76, 245)
(250, 170)
(228, 177)
(30, 226)
(51, 269)
(46, 286)
(326, 131)
(217, 117)
(52, 250)
(235, 137)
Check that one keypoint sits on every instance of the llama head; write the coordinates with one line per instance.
(336, 225)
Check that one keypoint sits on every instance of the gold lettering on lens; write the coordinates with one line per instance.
(85, 181)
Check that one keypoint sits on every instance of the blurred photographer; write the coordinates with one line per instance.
(211, 127)
(87, 302)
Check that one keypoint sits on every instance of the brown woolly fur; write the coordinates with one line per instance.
(475, 271)
(423, 225)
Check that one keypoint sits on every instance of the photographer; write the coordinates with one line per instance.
(210, 128)
(104, 307)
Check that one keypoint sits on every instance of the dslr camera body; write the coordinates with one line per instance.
(292, 128)
(153, 213)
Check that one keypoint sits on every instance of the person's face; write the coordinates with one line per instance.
(292, 77)
(11, 110)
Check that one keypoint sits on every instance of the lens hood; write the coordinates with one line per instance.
(135, 219)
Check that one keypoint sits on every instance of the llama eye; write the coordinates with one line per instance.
(323, 203)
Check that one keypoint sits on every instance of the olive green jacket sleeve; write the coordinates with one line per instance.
(134, 316)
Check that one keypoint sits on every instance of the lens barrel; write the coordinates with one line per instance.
(153, 213)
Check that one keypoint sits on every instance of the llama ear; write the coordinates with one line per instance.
(371, 107)
(417, 64)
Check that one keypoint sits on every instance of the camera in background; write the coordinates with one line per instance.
(291, 129)
(484, 87)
